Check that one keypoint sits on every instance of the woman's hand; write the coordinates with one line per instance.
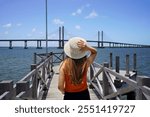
(82, 45)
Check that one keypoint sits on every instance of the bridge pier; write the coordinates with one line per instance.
(98, 39)
(102, 39)
(59, 42)
(61, 37)
(10, 45)
(25, 45)
(39, 45)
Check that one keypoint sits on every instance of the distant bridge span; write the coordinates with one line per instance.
(99, 44)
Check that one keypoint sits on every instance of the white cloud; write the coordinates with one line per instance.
(58, 22)
(91, 15)
(80, 10)
(34, 30)
(78, 27)
(7, 25)
(77, 12)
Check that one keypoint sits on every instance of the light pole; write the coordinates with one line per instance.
(46, 29)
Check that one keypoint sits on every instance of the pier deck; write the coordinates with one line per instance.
(55, 94)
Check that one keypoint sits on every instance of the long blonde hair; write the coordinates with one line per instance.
(75, 69)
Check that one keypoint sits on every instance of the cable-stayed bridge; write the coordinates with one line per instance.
(60, 36)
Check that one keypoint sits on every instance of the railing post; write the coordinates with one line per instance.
(117, 81)
(91, 75)
(34, 82)
(111, 59)
(141, 81)
(7, 86)
(105, 81)
(127, 66)
(23, 86)
(43, 72)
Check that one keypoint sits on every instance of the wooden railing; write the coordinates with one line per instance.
(36, 83)
(104, 80)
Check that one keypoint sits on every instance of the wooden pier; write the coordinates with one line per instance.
(104, 82)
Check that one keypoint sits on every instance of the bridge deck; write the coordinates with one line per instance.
(55, 94)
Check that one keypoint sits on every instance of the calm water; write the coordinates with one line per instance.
(15, 63)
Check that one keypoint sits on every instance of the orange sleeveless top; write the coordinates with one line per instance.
(70, 87)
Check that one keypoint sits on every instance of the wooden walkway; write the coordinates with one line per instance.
(55, 94)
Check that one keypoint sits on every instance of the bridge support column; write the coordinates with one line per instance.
(62, 36)
(10, 45)
(98, 39)
(102, 39)
(39, 45)
(59, 37)
(25, 45)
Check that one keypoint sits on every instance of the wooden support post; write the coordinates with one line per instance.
(134, 63)
(117, 64)
(105, 81)
(127, 66)
(141, 81)
(34, 58)
(7, 86)
(117, 81)
(34, 82)
(111, 59)
(23, 86)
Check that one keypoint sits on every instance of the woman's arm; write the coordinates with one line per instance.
(61, 80)
(84, 47)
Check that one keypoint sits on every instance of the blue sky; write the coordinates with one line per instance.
(125, 21)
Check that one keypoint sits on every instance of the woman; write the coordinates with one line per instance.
(73, 70)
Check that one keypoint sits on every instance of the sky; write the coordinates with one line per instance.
(126, 21)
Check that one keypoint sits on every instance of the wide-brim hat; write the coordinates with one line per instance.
(72, 50)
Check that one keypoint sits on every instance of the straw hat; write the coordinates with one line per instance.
(72, 50)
